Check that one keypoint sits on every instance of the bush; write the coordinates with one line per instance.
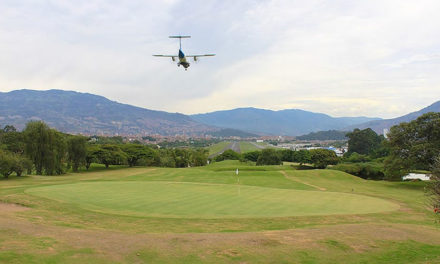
(228, 155)
(373, 171)
(356, 157)
(321, 158)
(11, 162)
(6, 163)
(252, 156)
(269, 157)
(287, 155)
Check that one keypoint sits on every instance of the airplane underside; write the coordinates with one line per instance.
(184, 64)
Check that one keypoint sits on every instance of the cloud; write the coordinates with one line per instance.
(374, 58)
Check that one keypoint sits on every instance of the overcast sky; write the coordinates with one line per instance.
(341, 57)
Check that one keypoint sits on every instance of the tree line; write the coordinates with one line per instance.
(42, 150)
(319, 158)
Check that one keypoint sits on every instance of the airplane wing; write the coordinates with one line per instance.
(173, 57)
(201, 55)
(168, 56)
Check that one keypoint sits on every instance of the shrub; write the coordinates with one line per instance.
(321, 158)
(269, 157)
(228, 155)
(373, 171)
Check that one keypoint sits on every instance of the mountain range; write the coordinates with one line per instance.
(290, 122)
(379, 125)
(75, 112)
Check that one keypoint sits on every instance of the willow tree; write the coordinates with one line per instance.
(76, 151)
(45, 147)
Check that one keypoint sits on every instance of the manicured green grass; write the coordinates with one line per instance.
(218, 147)
(195, 200)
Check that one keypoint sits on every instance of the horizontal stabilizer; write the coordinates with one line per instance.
(180, 37)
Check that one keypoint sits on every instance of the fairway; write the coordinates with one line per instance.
(200, 200)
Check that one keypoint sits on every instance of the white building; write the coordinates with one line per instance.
(416, 176)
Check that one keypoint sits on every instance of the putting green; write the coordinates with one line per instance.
(194, 200)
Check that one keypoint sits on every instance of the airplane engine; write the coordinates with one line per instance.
(174, 59)
(195, 59)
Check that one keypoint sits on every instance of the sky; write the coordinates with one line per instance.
(377, 58)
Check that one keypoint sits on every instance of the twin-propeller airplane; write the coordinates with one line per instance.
(181, 56)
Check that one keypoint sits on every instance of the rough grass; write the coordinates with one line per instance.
(218, 147)
(59, 230)
(247, 147)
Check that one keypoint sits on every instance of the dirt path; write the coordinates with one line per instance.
(301, 181)
(7, 208)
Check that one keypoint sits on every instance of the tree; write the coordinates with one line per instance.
(181, 158)
(166, 158)
(9, 128)
(287, 155)
(228, 155)
(152, 158)
(91, 154)
(37, 144)
(269, 157)
(356, 157)
(413, 145)
(13, 141)
(21, 164)
(7, 163)
(135, 153)
(199, 157)
(363, 141)
(12, 162)
(302, 156)
(45, 147)
(110, 155)
(252, 155)
(76, 151)
(321, 158)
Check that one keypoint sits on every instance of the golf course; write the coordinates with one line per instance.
(226, 212)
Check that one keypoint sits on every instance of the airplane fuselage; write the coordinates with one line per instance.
(182, 60)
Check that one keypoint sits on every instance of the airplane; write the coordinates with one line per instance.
(181, 56)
